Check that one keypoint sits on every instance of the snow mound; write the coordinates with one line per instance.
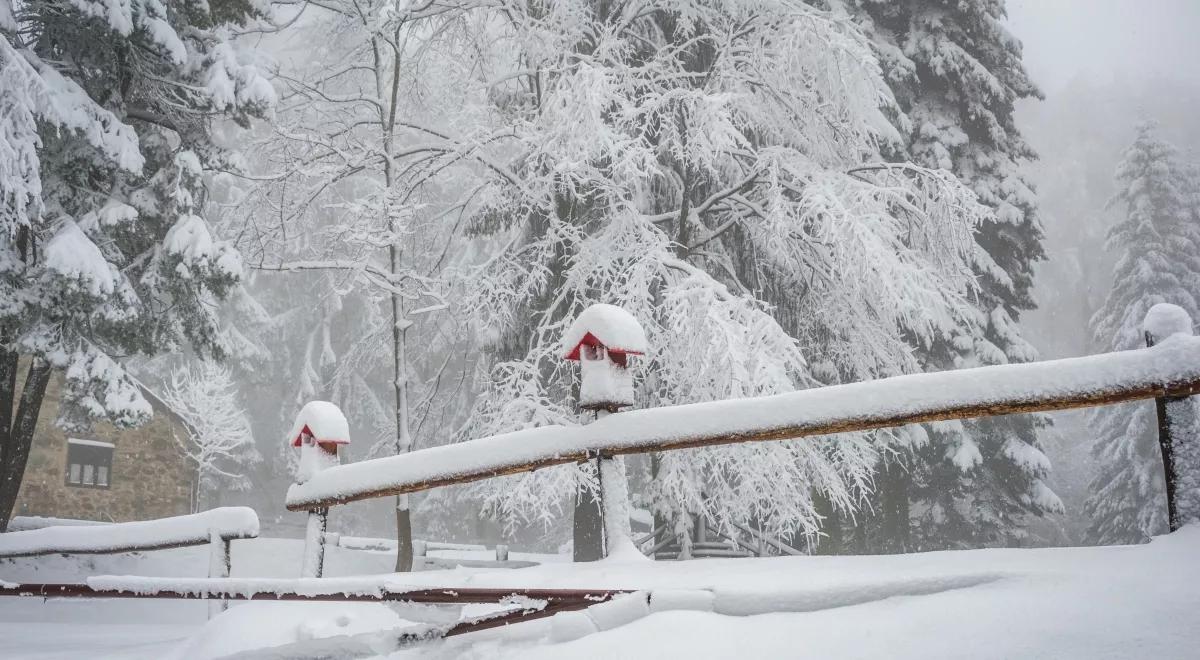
(1165, 319)
(324, 421)
(610, 325)
(264, 625)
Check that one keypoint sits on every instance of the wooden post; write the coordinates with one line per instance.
(1177, 441)
(501, 552)
(219, 565)
(314, 543)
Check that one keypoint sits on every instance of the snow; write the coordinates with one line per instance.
(1165, 319)
(7, 20)
(25, 523)
(1175, 360)
(614, 487)
(74, 256)
(90, 443)
(228, 522)
(603, 383)
(610, 325)
(324, 421)
(1103, 602)
(258, 625)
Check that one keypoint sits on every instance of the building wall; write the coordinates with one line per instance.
(149, 479)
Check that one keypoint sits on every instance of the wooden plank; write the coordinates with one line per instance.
(1171, 369)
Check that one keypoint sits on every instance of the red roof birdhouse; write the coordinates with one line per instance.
(607, 326)
(601, 339)
(323, 421)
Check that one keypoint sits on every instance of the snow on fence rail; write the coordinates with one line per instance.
(26, 523)
(1169, 369)
(225, 523)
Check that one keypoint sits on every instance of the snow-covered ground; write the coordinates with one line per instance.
(1113, 602)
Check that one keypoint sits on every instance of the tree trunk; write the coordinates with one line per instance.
(404, 549)
(16, 439)
(831, 525)
(893, 482)
(588, 526)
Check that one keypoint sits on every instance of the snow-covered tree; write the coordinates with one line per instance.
(956, 72)
(218, 441)
(1159, 245)
(105, 251)
(365, 246)
(637, 156)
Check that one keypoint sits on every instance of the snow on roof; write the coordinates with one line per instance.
(237, 522)
(324, 421)
(90, 443)
(1175, 360)
(1165, 319)
(609, 325)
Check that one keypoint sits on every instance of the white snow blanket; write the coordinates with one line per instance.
(263, 625)
(1108, 602)
(1175, 360)
(226, 522)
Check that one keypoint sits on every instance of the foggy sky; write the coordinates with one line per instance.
(1105, 40)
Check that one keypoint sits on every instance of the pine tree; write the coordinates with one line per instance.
(105, 252)
(956, 73)
(1159, 245)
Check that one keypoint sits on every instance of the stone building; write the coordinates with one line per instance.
(106, 474)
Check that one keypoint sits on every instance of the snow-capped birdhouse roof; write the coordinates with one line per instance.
(323, 421)
(604, 325)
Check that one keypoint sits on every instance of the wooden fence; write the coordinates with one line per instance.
(215, 528)
(1167, 370)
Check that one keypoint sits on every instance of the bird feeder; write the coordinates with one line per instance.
(320, 429)
(602, 339)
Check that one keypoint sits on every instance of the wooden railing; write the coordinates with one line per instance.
(215, 528)
(1167, 370)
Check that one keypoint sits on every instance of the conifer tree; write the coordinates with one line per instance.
(105, 147)
(1159, 244)
(956, 73)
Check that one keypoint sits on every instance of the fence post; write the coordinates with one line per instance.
(219, 565)
(1177, 441)
(314, 543)
(501, 552)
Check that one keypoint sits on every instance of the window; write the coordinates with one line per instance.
(89, 463)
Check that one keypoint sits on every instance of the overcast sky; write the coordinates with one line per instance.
(1106, 39)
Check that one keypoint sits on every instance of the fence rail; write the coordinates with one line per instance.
(1170, 369)
(226, 524)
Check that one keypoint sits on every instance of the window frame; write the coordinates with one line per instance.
(89, 462)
